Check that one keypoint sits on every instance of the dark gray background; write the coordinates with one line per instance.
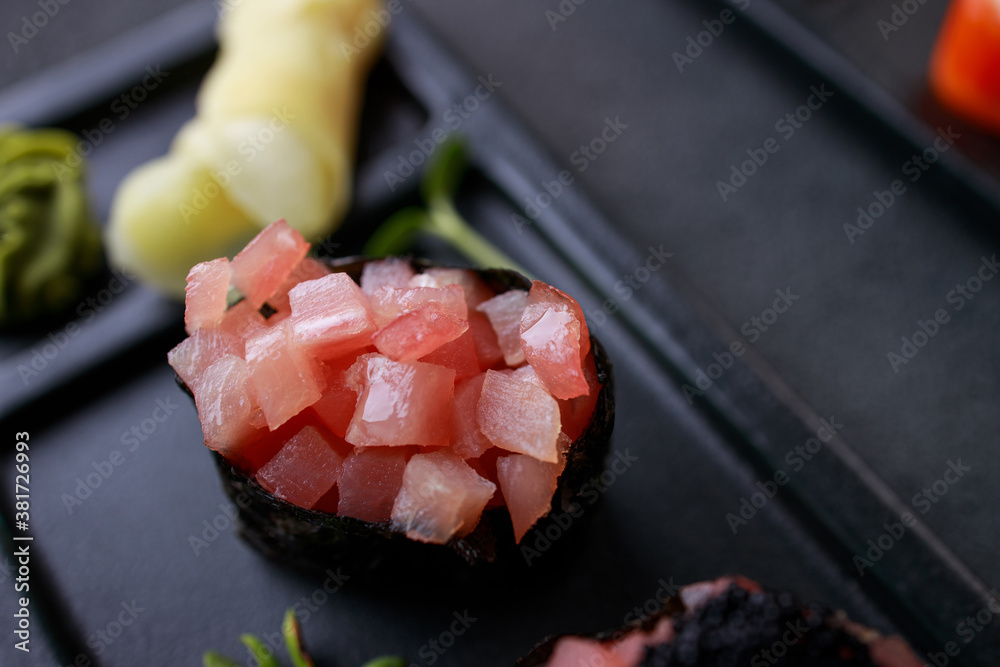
(781, 230)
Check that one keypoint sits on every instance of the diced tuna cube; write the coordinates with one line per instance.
(195, 354)
(504, 312)
(576, 413)
(555, 340)
(518, 415)
(285, 379)
(483, 336)
(225, 405)
(262, 446)
(419, 332)
(388, 272)
(336, 406)
(305, 469)
(476, 291)
(388, 303)
(466, 439)
(205, 294)
(441, 497)
(528, 486)
(308, 269)
(401, 403)
(260, 268)
(330, 316)
(242, 320)
(369, 482)
(488, 350)
(458, 355)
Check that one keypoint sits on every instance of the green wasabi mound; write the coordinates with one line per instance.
(49, 244)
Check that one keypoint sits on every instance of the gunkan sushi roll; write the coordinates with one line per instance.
(730, 621)
(363, 412)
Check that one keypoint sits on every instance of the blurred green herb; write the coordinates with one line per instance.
(292, 634)
(440, 218)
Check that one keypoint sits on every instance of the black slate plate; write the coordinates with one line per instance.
(128, 546)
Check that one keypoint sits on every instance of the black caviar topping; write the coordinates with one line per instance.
(742, 629)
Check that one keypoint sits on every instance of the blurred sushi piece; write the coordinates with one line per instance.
(965, 65)
(729, 621)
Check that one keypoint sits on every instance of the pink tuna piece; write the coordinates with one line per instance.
(193, 355)
(336, 406)
(528, 486)
(330, 316)
(466, 439)
(260, 268)
(504, 312)
(441, 497)
(388, 272)
(518, 415)
(226, 405)
(388, 303)
(555, 340)
(285, 379)
(369, 482)
(401, 403)
(419, 332)
(458, 355)
(577, 413)
(205, 294)
(488, 350)
(305, 469)
(476, 291)
(307, 269)
(242, 320)
(484, 338)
